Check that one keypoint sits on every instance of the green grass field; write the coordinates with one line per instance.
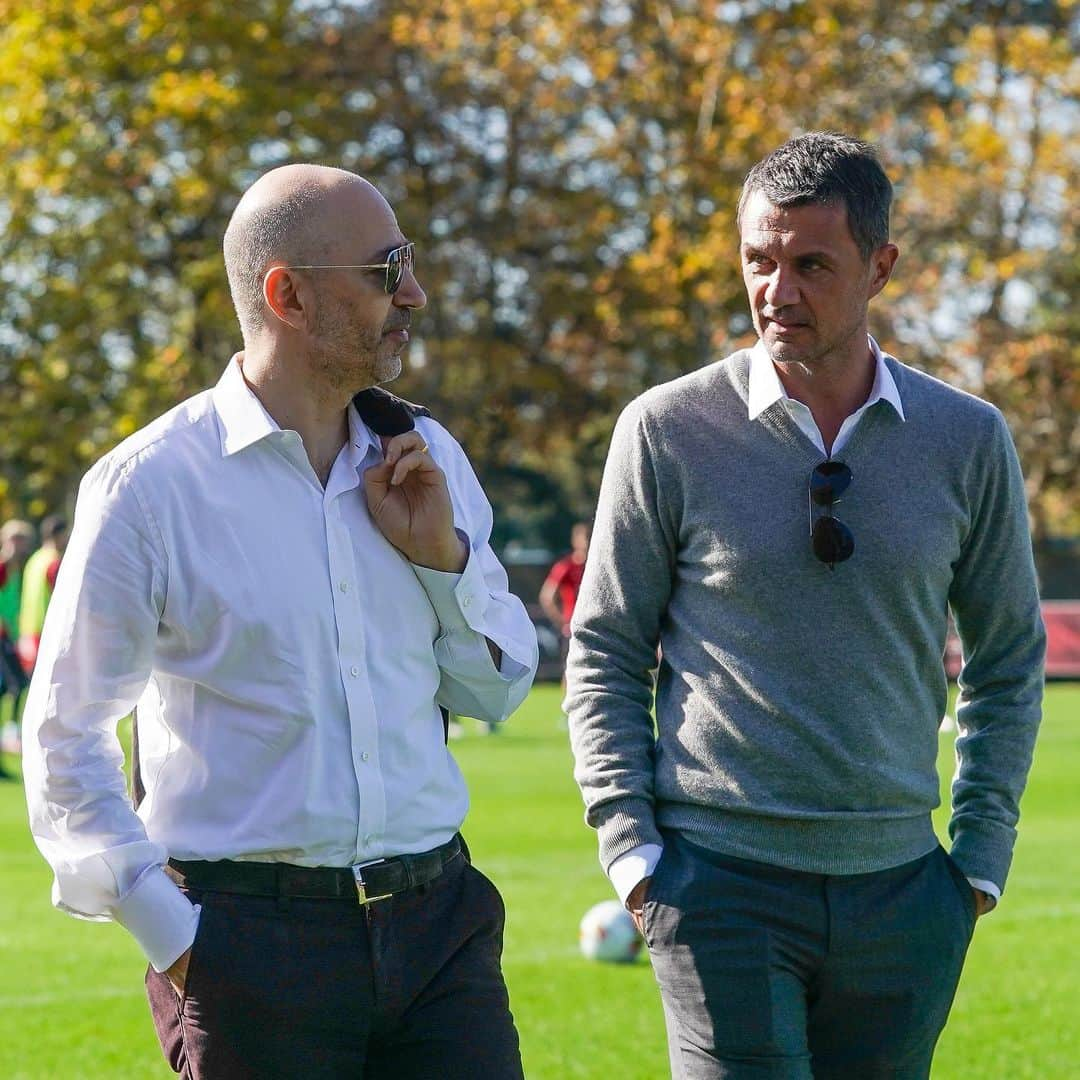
(71, 1001)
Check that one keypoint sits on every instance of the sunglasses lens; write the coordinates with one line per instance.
(397, 262)
(832, 540)
(395, 271)
(828, 482)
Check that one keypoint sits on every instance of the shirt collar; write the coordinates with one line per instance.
(361, 437)
(766, 389)
(242, 418)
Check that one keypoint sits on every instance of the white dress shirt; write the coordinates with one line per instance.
(765, 389)
(286, 660)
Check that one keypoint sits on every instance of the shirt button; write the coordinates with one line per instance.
(466, 601)
(344, 586)
(364, 756)
(354, 671)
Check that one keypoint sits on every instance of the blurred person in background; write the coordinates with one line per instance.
(559, 593)
(38, 583)
(291, 575)
(794, 524)
(16, 543)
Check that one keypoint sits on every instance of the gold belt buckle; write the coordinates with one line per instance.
(361, 889)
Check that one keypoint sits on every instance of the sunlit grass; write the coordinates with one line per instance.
(71, 1001)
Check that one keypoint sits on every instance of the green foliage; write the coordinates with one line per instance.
(570, 172)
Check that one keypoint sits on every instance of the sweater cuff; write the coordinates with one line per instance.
(624, 824)
(985, 854)
(159, 916)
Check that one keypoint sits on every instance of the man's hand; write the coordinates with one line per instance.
(410, 503)
(635, 902)
(983, 903)
(177, 973)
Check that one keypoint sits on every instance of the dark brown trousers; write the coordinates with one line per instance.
(404, 989)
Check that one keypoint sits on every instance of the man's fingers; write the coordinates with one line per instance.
(415, 459)
(400, 445)
(635, 903)
(378, 475)
(636, 899)
(177, 972)
(376, 486)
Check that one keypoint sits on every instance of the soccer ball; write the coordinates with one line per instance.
(608, 933)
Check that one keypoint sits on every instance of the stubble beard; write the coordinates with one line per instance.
(351, 357)
(815, 355)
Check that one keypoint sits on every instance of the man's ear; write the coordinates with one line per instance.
(881, 267)
(284, 293)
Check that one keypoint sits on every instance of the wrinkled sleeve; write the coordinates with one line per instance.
(476, 606)
(615, 632)
(95, 660)
(995, 602)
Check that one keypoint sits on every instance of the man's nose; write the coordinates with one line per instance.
(409, 293)
(781, 289)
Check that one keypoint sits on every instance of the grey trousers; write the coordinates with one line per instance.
(766, 972)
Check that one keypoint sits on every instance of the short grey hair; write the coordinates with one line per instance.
(289, 229)
(828, 168)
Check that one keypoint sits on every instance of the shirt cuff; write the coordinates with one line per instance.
(988, 887)
(459, 600)
(632, 867)
(159, 916)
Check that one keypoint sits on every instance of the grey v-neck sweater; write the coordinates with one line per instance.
(797, 707)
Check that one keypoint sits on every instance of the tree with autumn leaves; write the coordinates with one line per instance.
(570, 173)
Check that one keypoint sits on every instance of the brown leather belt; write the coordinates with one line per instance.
(361, 884)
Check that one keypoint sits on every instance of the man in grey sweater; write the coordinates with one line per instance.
(791, 527)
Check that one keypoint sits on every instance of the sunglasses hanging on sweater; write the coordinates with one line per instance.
(830, 538)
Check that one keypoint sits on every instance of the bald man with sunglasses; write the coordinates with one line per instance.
(290, 576)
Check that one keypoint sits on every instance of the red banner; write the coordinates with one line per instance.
(1062, 618)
